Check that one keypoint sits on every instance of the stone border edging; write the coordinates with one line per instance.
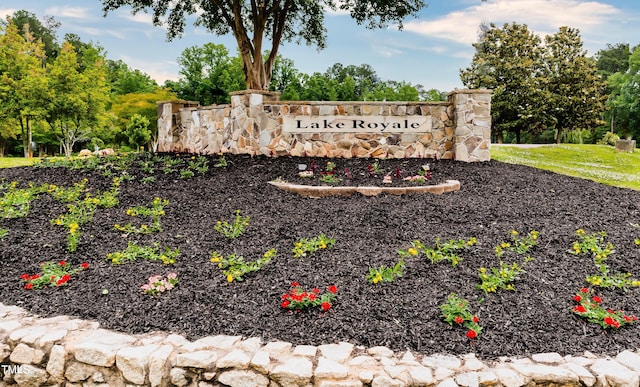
(317, 191)
(48, 351)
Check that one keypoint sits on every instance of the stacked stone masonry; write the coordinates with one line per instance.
(63, 351)
(256, 122)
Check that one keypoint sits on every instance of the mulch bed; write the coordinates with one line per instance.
(494, 199)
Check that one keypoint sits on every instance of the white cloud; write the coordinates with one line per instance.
(540, 16)
(70, 12)
(160, 71)
(4, 12)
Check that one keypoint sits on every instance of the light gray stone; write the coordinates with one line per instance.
(487, 378)
(239, 378)
(442, 361)
(57, 360)
(421, 376)
(380, 352)
(30, 376)
(583, 374)
(337, 352)
(546, 374)
(99, 348)
(277, 347)
(28, 335)
(178, 377)
(159, 365)
(305, 350)
(398, 372)
(9, 325)
(630, 360)
(509, 377)
(387, 361)
(327, 368)
(78, 372)
(48, 339)
(614, 374)
(449, 382)
(385, 381)
(339, 383)
(295, 371)
(237, 359)
(363, 361)
(251, 345)
(468, 379)
(198, 359)
(261, 361)
(547, 358)
(133, 362)
(24, 354)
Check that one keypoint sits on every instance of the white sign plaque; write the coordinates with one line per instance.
(356, 124)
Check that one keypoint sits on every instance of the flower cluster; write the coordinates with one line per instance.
(518, 245)
(384, 273)
(299, 299)
(590, 308)
(155, 212)
(500, 278)
(53, 274)
(456, 310)
(442, 251)
(235, 229)
(307, 246)
(157, 284)
(152, 253)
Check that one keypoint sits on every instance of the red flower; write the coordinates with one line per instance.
(476, 319)
(312, 296)
(62, 263)
(63, 280)
(325, 306)
(627, 318)
(285, 303)
(316, 290)
(471, 334)
(577, 298)
(596, 299)
(295, 284)
(332, 289)
(610, 321)
(584, 290)
(25, 276)
(84, 265)
(459, 320)
(35, 276)
(579, 309)
(28, 286)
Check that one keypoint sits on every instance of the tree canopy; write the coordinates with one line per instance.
(253, 21)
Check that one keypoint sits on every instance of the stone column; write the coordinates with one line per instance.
(472, 124)
(250, 123)
(169, 122)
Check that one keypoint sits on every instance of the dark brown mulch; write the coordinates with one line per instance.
(494, 199)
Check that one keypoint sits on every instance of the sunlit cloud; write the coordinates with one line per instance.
(541, 16)
(159, 71)
(4, 12)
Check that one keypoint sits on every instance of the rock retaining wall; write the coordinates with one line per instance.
(65, 351)
(256, 122)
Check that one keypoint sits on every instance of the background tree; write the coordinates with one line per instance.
(124, 80)
(613, 59)
(22, 81)
(575, 93)
(624, 100)
(507, 60)
(29, 26)
(280, 20)
(138, 131)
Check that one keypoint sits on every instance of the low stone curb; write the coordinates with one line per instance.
(66, 351)
(317, 191)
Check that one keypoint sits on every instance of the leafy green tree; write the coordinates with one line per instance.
(78, 99)
(22, 81)
(30, 26)
(575, 93)
(209, 74)
(613, 59)
(279, 20)
(624, 100)
(508, 61)
(138, 131)
(124, 80)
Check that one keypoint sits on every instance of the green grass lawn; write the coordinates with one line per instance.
(8, 162)
(600, 163)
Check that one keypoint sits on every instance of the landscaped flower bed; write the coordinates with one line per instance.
(513, 249)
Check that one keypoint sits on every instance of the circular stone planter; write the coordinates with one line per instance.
(317, 191)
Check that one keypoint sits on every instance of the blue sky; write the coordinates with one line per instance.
(430, 50)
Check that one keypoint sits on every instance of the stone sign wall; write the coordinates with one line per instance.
(257, 122)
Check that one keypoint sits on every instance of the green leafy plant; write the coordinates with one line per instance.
(186, 174)
(442, 251)
(158, 284)
(384, 273)
(16, 202)
(518, 245)
(199, 165)
(155, 212)
(329, 178)
(152, 253)
(222, 162)
(148, 179)
(52, 274)
(235, 229)
(590, 308)
(306, 246)
(298, 299)
(3, 233)
(501, 277)
(600, 250)
(456, 311)
(234, 266)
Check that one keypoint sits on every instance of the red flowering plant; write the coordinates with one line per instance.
(456, 311)
(53, 274)
(590, 308)
(299, 299)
